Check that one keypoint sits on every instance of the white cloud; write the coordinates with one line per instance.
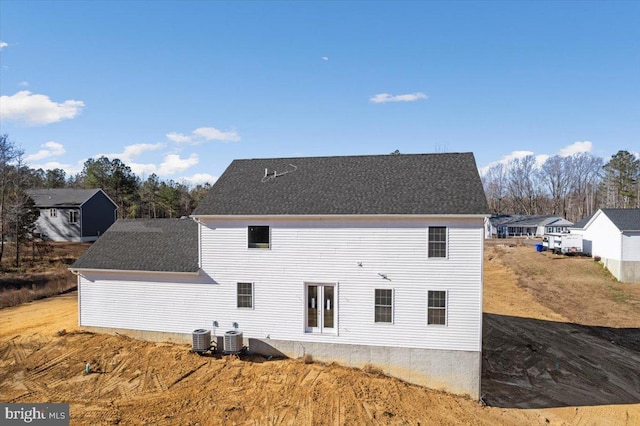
(178, 137)
(134, 150)
(49, 149)
(23, 84)
(575, 148)
(69, 169)
(173, 164)
(506, 159)
(382, 98)
(142, 170)
(198, 179)
(202, 134)
(210, 133)
(3, 45)
(35, 109)
(325, 58)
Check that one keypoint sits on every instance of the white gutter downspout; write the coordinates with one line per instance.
(77, 274)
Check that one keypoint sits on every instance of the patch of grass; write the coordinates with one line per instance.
(618, 296)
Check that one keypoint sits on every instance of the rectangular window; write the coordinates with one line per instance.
(437, 307)
(73, 216)
(384, 305)
(245, 295)
(258, 237)
(53, 213)
(437, 244)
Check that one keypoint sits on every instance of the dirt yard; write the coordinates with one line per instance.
(561, 346)
(42, 272)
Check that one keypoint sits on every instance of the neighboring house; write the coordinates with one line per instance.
(359, 260)
(505, 226)
(79, 215)
(614, 236)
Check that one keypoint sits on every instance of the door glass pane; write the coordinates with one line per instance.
(312, 306)
(328, 307)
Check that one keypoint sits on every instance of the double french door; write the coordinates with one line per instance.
(321, 308)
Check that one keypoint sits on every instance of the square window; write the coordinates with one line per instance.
(437, 241)
(437, 307)
(245, 295)
(383, 305)
(258, 237)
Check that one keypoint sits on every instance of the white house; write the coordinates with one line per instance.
(359, 260)
(505, 226)
(614, 236)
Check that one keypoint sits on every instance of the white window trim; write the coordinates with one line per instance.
(77, 215)
(53, 212)
(253, 294)
(446, 255)
(336, 286)
(393, 306)
(446, 308)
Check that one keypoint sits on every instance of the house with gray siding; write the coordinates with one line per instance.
(78, 215)
(361, 260)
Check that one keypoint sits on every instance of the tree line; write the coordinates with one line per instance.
(572, 186)
(135, 197)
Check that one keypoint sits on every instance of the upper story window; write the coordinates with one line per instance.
(383, 305)
(437, 307)
(437, 241)
(73, 216)
(53, 213)
(259, 237)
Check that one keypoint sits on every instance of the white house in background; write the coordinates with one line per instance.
(358, 260)
(614, 236)
(506, 226)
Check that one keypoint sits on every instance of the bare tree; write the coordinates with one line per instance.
(495, 187)
(585, 173)
(8, 154)
(522, 185)
(556, 176)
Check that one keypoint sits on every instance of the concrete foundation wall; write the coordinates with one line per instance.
(630, 272)
(456, 372)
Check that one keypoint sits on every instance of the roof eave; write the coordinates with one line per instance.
(134, 271)
(335, 216)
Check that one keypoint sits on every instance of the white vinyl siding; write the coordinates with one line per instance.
(350, 253)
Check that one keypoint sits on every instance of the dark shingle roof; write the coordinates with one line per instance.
(60, 197)
(168, 245)
(624, 219)
(528, 220)
(378, 184)
(582, 222)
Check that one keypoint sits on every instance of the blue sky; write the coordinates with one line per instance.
(183, 88)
